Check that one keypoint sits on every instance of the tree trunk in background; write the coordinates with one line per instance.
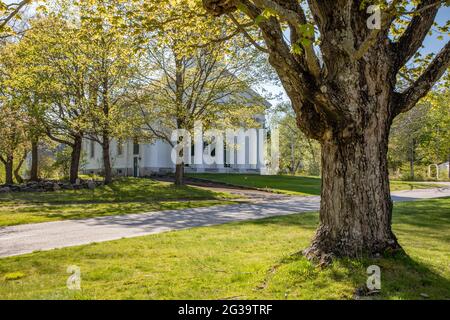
(181, 124)
(9, 167)
(356, 206)
(106, 160)
(17, 175)
(179, 174)
(411, 160)
(293, 166)
(34, 161)
(75, 158)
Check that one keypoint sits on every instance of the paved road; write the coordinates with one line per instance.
(17, 240)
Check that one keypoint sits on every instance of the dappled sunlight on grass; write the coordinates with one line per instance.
(293, 185)
(125, 196)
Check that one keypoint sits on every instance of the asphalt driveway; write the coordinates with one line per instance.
(22, 239)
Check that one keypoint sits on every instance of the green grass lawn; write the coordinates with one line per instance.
(127, 195)
(246, 260)
(293, 185)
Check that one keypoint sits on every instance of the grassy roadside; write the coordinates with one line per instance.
(294, 185)
(122, 197)
(247, 260)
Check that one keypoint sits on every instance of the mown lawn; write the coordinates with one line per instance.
(247, 260)
(128, 195)
(293, 185)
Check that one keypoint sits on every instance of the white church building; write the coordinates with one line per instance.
(137, 159)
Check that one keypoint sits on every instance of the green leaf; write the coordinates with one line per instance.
(242, 8)
(260, 19)
(306, 30)
(267, 13)
(305, 42)
(296, 49)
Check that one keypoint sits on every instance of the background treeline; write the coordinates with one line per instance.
(98, 71)
(72, 71)
(421, 138)
(418, 139)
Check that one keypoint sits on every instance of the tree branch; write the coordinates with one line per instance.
(417, 10)
(245, 33)
(16, 10)
(54, 138)
(296, 18)
(417, 30)
(240, 29)
(298, 78)
(386, 21)
(408, 99)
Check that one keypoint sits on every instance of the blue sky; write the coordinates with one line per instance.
(431, 44)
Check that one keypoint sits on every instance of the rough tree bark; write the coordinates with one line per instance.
(34, 161)
(293, 168)
(356, 209)
(347, 102)
(179, 174)
(106, 159)
(9, 168)
(76, 145)
(17, 175)
(179, 83)
(75, 158)
(412, 159)
(105, 142)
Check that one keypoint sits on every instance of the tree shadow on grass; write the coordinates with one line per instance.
(434, 213)
(114, 208)
(406, 278)
(124, 190)
(401, 278)
(293, 184)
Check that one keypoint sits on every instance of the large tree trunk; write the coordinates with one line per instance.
(356, 207)
(9, 167)
(75, 159)
(34, 161)
(179, 174)
(106, 160)
(347, 100)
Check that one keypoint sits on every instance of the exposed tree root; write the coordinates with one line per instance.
(324, 250)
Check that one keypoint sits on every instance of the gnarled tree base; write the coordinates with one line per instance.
(323, 249)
